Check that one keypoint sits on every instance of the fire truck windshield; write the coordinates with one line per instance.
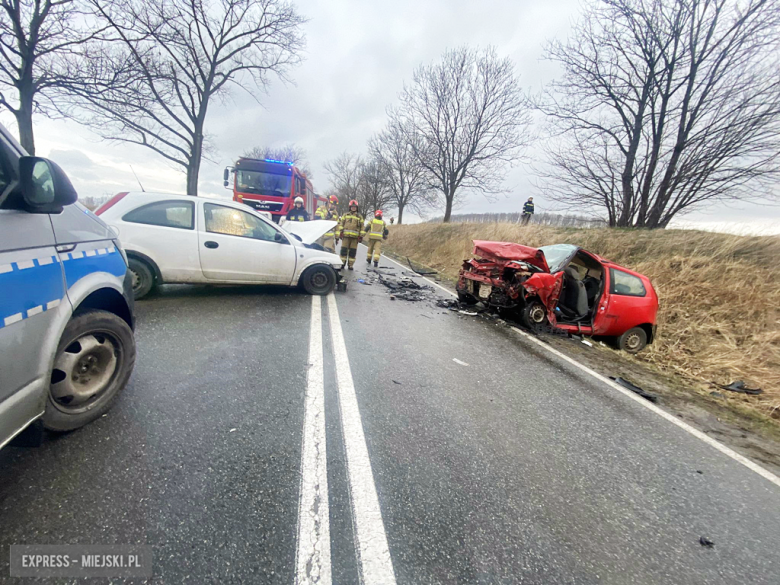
(260, 183)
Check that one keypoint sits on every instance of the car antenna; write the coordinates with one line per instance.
(136, 178)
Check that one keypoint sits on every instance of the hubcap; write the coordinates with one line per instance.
(632, 341)
(319, 279)
(83, 371)
(537, 314)
(136, 280)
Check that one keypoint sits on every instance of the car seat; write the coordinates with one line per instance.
(574, 298)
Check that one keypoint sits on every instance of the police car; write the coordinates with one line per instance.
(66, 321)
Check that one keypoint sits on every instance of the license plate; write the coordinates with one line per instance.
(485, 290)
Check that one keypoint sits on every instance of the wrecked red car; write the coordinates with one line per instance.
(565, 286)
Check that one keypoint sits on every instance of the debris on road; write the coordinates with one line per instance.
(739, 386)
(470, 314)
(232, 430)
(704, 541)
(402, 287)
(586, 342)
(457, 361)
(397, 382)
(429, 273)
(636, 389)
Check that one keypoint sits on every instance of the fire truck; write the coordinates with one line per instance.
(271, 186)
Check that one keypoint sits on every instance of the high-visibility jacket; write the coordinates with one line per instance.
(376, 229)
(325, 213)
(351, 226)
(298, 215)
(528, 208)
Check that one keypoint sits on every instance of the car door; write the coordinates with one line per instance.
(32, 292)
(236, 246)
(165, 232)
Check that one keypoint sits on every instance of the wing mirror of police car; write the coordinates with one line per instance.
(45, 186)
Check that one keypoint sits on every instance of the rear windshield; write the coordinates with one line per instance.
(557, 255)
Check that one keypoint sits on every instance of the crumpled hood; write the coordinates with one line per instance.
(309, 231)
(510, 251)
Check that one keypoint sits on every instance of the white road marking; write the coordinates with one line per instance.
(765, 473)
(313, 563)
(34, 311)
(374, 554)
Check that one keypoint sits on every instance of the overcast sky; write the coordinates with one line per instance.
(358, 55)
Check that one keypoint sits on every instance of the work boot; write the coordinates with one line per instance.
(376, 264)
(352, 268)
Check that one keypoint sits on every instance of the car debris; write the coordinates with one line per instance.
(457, 361)
(403, 288)
(397, 382)
(739, 386)
(704, 541)
(562, 285)
(417, 271)
(636, 389)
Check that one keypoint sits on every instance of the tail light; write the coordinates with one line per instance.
(110, 203)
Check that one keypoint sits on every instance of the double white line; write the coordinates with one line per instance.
(313, 564)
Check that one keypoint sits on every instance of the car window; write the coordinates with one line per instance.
(174, 214)
(232, 222)
(626, 284)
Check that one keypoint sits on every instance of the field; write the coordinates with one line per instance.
(719, 294)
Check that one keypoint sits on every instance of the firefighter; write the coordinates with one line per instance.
(376, 229)
(298, 213)
(528, 211)
(350, 232)
(329, 212)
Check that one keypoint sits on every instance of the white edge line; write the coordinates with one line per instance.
(376, 565)
(765, 473)
(312, 558)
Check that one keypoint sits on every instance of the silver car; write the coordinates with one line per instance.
(66, 321)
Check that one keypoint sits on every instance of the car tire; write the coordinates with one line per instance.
(143, 278)
(94, 360)
(534, 314)
(319, 280)
(632, 341)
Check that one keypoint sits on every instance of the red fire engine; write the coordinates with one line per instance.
(271, 186)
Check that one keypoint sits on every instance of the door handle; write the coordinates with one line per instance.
(211, 244)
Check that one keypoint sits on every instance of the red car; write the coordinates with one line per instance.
(572, 289)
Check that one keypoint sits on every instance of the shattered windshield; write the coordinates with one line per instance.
(557, 254)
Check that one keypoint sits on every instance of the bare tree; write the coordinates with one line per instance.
(469, 117)
(172, 58)
(665, 106)
(374, 190)
(345, 174)
(410, 182)
(287, 153)
(38, 39)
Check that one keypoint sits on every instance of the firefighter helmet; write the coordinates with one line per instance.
(298, 200)
(333, 199)
(353, 202)
(378, 213)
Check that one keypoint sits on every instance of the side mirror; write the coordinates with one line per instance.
(226, 176)
(280, 238)
(45, 186)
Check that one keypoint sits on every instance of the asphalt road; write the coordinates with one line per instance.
(241, 455)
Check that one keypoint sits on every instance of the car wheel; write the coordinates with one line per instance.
(534, 315)
(143, 278)
(94, 361)
(319, 280)
(633, 341)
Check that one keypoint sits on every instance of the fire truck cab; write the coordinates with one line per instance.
(271, 186)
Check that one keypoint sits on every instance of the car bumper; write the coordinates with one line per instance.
(127, 290)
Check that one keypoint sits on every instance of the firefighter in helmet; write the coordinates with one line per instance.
(350, 232)
(328, 212)
(376, 229)
(298, 213)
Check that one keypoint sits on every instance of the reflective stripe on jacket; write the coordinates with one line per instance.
(298, 215)
(324, 213)
(376, 229)
(351, 225)
(528, 208)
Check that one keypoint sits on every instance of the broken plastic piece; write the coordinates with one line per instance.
(704, 541)
(636, 389)
(457, 361)
(739, 386)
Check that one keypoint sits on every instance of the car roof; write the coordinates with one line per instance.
(149, 197)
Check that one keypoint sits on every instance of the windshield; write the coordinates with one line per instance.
(260, 183)
(557, 254)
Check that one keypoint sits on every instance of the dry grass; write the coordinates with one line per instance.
(719, 294)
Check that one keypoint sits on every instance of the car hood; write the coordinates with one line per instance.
(309, 231)
(510, 251)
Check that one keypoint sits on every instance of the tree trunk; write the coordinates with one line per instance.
(24, 118)
(193, 168)
(400, 214)
(448, 210)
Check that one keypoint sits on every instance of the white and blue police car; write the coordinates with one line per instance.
(66, 303)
